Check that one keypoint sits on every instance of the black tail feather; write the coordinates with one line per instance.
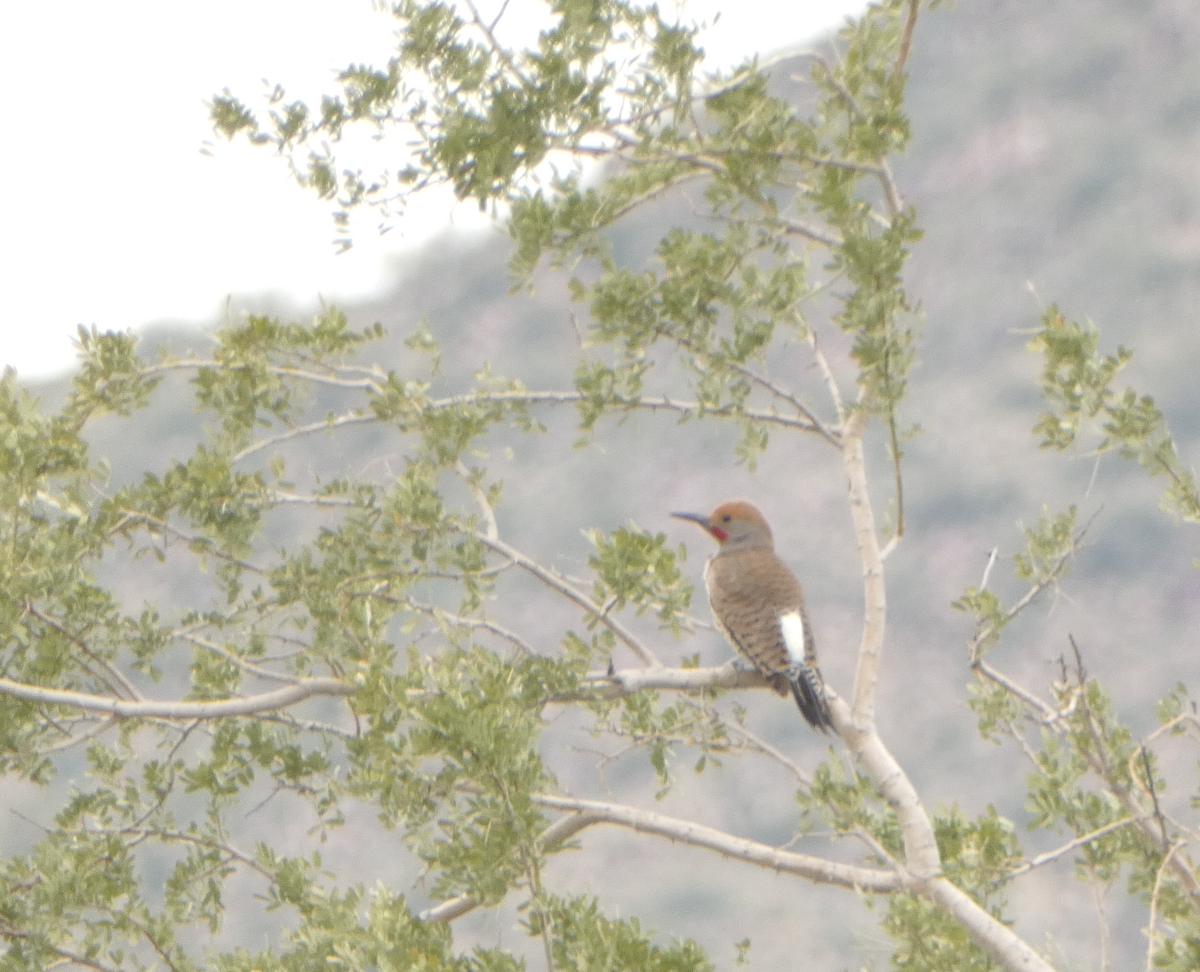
(809, 690)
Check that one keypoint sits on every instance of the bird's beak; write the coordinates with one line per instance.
(695, 518)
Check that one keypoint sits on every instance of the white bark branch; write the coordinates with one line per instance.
(856, 727)
(994, 937)
(874, 594)
(215, 709)
(815, 869)
(627, 681)
(920, 846)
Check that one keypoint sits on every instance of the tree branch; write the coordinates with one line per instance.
(557, 583)
(816, 869)
(994, 937)
(910, 22)
(1053, 855)
(324, 425)
(874, 593)
(216, 709)
(627, 681)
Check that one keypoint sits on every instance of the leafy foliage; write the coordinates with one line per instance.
(361, 657)
(1077, 383)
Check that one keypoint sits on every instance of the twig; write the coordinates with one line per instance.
(485, 506)
(479, 624)
(1158, 882)
(758, 744)
(73, 740)
(498, 49)
(1044, 581)
(835, 394)
(280, 371)
(770, 386)
(112, 671)
(987, 571)
(1152, 793)
(557, 583)
(910, 21)
(247, 666)
(1099, 890)
(984, 670)
(324, 425)
(1053, 855)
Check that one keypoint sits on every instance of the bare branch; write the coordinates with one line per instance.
(450, 909)
(111, 671)
(985, 671)
(485, 506)
(817, 869)
(1151, 940)
(874, 595)
(987, 571)
(477, 624)
(329, 377)
(809, 232)
(286, 498)
(616, 684)
(217, 709)
(1053, 855)
(247, 666)
(325, 425)
(1099, 890)
(651, 404)
(558, 583)
(910, 22)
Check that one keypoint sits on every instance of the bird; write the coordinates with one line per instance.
(759, 606)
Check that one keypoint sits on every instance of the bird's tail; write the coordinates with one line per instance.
(809, 689)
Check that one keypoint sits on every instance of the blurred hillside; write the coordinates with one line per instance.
(1055, 158)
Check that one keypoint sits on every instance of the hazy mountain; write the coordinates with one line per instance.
(1056, 146)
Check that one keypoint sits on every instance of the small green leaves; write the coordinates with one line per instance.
(1075, 379)
(111, 377)
(990, 617)
(635, 569)
(1077, 384)
(846, 800)
(1048, 547)
(582, 938)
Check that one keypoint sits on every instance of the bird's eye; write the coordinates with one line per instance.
(726, 518)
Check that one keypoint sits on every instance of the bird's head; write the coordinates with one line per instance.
(735, 525)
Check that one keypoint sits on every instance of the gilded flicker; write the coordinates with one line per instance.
(759, 606)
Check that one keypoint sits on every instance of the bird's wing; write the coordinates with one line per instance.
(749, 612)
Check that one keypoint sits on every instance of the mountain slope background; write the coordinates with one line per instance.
(1055, 158)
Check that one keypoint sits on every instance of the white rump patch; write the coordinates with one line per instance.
(793, 636)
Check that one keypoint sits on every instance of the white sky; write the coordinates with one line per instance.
(112, 216)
